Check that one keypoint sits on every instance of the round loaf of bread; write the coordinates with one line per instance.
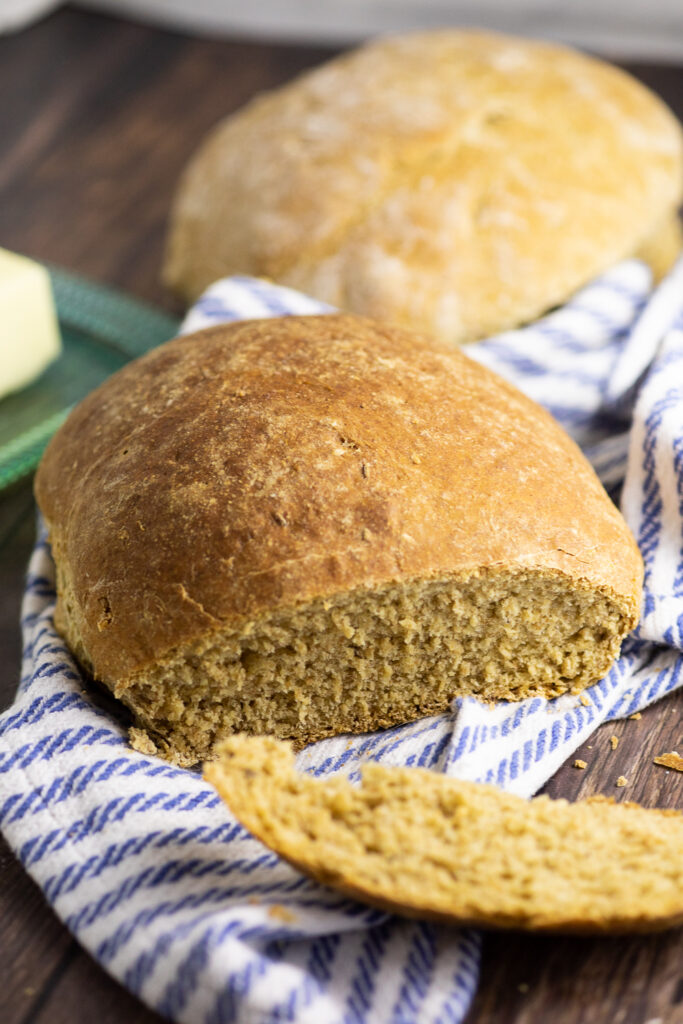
(456, 182)
(312, 525)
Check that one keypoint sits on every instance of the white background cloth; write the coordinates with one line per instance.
(618, 28)
(150, 871)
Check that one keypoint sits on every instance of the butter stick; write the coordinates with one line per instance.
(29, 332)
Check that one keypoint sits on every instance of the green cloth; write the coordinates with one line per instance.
(101, 330)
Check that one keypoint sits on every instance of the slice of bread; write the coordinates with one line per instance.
(457, 182)
(425, 845)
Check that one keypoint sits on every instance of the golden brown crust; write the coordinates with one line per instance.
(424, 845)
(256, 466)
(458, 182)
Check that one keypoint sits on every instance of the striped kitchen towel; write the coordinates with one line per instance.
(146, 866)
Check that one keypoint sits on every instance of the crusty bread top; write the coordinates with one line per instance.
(457, 182)
(425, 845)
(255, 465)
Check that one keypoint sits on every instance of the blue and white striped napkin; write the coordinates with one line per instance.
(144, 863)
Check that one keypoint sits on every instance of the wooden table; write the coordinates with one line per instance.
(97, 118)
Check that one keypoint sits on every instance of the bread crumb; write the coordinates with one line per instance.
(415, 459)
(637, 715)
(622, 781)
(580, 764)
(140, 741)
(614, 741)
(671, 760)
(280, 913)
(366, 534)
(585, 700)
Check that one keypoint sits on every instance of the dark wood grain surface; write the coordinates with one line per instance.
(97, 117)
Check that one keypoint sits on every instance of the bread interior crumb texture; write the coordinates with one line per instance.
(369, 659)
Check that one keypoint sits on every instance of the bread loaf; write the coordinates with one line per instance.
(425, 845)
(457, 182)
(312, 525)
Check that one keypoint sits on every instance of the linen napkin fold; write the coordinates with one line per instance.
(146, 866)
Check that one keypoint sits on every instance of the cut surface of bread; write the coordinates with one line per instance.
(457, 182)
(425, 845)
(370, 659)
(315, 525)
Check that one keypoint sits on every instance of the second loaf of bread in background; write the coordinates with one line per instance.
(315, 525)
(456, 182)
